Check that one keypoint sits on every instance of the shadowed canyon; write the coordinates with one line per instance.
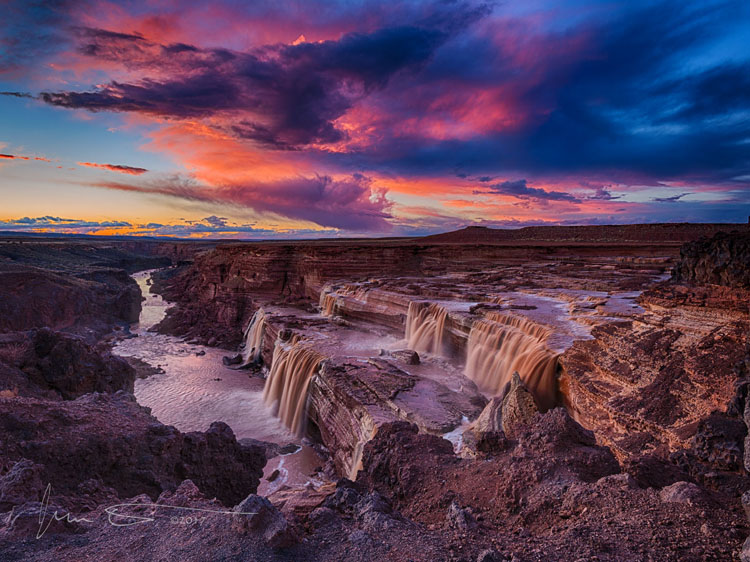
(546, 393)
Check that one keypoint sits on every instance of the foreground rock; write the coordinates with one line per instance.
(44, 363)
(553, 494)
(103, 441)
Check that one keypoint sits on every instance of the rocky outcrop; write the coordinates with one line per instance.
(348, 401)
(110, 440)
(650, 385)
(644, 386)
(45, 363)
(555, 486)
(723, 259)
(89, 305)
(519, 408)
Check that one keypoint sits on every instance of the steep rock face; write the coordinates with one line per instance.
(643, 387)
(650, 385)
(110, 439)
(723, 259)
(56, 365)
(217, 294)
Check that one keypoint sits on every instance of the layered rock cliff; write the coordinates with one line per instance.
(219, 292)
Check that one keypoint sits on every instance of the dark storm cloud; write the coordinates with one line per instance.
(671, 199)
(291, 94)
(521, 190)
(619, 96)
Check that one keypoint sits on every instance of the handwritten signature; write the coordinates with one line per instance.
(118, 515)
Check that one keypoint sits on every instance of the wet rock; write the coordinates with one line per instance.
(232, 360)
(273, 476)
(407, 356)
(518, 407)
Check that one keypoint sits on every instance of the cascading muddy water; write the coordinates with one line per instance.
(327, 303)
(425, 323)
(329, 297)
(500, 345)
(252, 347)
(292, 368)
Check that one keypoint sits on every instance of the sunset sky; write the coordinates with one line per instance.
(310, 118)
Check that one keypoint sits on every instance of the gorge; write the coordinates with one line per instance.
(373, 393)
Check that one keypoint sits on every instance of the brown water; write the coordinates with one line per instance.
(196, 389)
(501, 345)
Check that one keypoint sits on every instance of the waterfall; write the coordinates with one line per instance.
(286, 387)
(327, 303)
(500, 345)
(425, 323)
(329, 297)
(253, 345)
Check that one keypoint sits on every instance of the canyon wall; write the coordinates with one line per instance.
(217, 295)
(720, 260)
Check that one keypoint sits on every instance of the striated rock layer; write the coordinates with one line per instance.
(668, 385)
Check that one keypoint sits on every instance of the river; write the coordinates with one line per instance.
(196, 389)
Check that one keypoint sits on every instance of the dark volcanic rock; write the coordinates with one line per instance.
(89, 305)
(554, 494)
(723, 259)
(53, 364)
(110, 438)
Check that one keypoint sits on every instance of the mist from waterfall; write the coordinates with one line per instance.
(425, 323)
(500, 345)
